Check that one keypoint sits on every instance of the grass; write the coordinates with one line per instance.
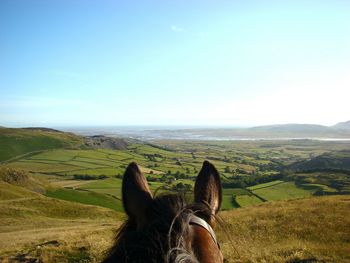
(62, 241)
(282, 191)
(56, 155)
(47, 207)
(272, 191)
(308, 230)
(318, 187)
(264, 185)
(94, 171)
(247, 200)
(105, 162)
(227, 202)
(339, 181)
(10, 192)
(109, 191)
(68, 183)
(42, 167)
(15, 142)
(270, 232)
(68, 163)
(32, 226)
(106, 183)
(86, 164)
(86, 197)
(234, 191)
(314, 229)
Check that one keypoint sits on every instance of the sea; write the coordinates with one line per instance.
(153, 133)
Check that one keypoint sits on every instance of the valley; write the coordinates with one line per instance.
(80, 181)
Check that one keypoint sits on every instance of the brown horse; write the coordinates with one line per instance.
(166, 228)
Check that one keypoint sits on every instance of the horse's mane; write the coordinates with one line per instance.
(163, 238)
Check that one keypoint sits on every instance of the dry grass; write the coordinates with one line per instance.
(308, 230)
(62, 241)
(36, 227)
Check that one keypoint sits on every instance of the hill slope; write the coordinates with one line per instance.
(303, 128)
(308, 230)
(15, 142)
(33, 226)
(342, 125)
(328, 161)
(302, 131)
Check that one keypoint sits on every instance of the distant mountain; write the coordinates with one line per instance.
(292, 128)
(340, 130)
(279, 131)
(342, 125)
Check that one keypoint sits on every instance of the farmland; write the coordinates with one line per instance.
(251, 171)
(67, 188)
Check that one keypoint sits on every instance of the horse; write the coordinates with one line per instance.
(166, 228)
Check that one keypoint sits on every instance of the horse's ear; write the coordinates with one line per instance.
(207, 188)
(136, 194)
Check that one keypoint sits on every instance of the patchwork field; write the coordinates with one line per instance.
(65, 203)
(92, 176)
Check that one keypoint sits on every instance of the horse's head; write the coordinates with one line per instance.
(165, 228)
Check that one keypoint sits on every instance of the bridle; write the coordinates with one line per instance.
(195, 220)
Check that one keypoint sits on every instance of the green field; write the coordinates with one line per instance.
(282, 191)
(170, 163)
(71, 194)
(87, 197)
(247, 200)
(318, 187)
(273, 191)
(234, 191)
(228, 202)
(264, 185)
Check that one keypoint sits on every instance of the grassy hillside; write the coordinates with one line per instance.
(339, 160)
(10, 192)
(59, 231)
(15, 142)
(22, 178)
(34, 226)
(308, 230)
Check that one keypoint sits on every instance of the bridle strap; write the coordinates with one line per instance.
(195, 220)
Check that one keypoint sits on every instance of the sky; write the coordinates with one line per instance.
(208, 63)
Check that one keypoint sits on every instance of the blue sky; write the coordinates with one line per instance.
(236, 63)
